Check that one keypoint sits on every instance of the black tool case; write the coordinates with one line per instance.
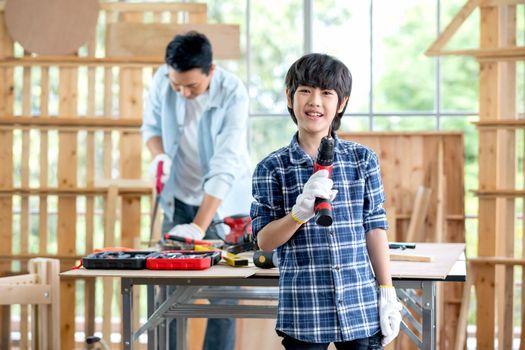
(130, 260)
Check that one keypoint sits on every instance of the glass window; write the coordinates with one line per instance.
(276, 41)
(269, 133)
(342, 29)
(403, 76)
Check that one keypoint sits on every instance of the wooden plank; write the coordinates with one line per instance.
(6, 172)
(47, 316)
(89, 285)
(439, 234)
(126, 39)
(410, 257)
(61, 122)
(19, 279)
(507, 170)
(67, 178)
(436, 48)
(419, 213)
(43, 176)
(490, 209)
(154, 7)
(130, 106)
(109, 241)
(461, 334)
(24, 295)
(487, 55)
(24, 205)
(75, 61)
(72, 191)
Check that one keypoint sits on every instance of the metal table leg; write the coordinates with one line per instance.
(429, 315)
(152, 333)
(127, 312)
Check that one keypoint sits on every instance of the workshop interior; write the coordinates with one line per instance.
(438, 94)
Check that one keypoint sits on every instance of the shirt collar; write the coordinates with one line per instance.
(298, 155)
(215, 82)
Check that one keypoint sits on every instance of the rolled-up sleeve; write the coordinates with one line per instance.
(268, 204)
(151, 122)
(374, 215)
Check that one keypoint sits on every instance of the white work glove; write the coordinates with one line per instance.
(166, 167)
(389, 313)
(192, 231)
(318, 185)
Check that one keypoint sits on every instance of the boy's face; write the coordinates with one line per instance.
(315, 108)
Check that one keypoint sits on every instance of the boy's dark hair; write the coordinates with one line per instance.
(189, 51)
(322, 71)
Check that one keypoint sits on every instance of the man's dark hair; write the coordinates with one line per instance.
(189, 51)
(322, 71)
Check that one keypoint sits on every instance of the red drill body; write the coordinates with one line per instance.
(325, 160)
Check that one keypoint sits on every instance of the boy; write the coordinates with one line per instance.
(327, 289)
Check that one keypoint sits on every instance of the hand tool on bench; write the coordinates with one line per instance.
(159, 186)
(172, 237)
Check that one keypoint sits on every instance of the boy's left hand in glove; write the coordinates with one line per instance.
(389, 313)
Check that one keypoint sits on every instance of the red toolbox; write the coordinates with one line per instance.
(182, 260)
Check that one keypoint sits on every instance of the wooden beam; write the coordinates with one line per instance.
(436, 48)
(153, 7)
(489, 54)
(129, 39)
(500, 2)
(24, 294)
(500, 123)
(74, 61)
(70, 121)
(73, 191)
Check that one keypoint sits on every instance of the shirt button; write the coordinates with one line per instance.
(336, 267)
(340, 301)
(170, 204)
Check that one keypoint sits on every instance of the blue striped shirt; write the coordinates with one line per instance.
(327, 289)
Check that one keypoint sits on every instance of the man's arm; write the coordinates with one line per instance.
(206, 211)
(154, 145)
(377, 245)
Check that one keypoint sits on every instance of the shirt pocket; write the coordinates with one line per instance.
(351, 201)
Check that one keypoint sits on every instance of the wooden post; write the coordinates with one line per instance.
(6, 173)
(67, 205)
(46, 324)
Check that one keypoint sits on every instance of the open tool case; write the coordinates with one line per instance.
(129, 260)
(182, 260)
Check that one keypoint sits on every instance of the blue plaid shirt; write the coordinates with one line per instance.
(327, 289)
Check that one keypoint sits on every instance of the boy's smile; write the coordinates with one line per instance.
(314, 108)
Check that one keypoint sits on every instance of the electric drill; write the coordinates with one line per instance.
(325, 159)
(240, 228)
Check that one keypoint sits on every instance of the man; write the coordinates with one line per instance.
(196, 123)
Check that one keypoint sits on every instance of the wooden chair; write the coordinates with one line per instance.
(41, 289)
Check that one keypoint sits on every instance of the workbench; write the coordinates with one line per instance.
(223, 282)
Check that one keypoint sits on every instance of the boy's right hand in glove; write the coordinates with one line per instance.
(318, 185)
(166, 167)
